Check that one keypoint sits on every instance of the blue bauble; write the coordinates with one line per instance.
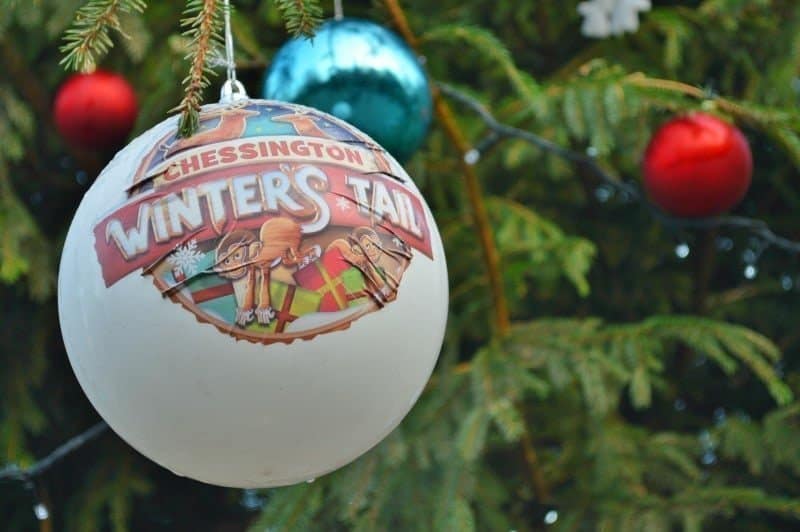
(362, 73)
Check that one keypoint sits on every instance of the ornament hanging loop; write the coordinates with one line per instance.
(232, 90)
(338, 12)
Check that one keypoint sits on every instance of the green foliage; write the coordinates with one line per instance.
(16, 125)
(24, 363)
(644, 408)
(23, 249)
(611, 358)
(488, 45)
(772, 446)
(202, 25)
(291, 508)
(472, 436)
(302, 16)
(89, 39)
(112, 485)
(648, 472)
(533, 246)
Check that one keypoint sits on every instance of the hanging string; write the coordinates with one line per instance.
(338, 13)
(232, 89)
(229, 42)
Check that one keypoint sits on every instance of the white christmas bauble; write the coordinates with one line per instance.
(258, 304)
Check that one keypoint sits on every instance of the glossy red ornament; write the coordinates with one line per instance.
(96, 110)
(697, 165)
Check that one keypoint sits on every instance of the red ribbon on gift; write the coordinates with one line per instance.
(283, 315)
(322, 276)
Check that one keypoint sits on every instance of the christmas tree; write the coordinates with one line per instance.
(606, 366)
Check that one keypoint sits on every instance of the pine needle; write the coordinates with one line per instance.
(88, 39)
(302, 16)
(202, 24)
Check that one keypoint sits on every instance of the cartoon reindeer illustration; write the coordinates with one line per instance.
(232, 124)
(303, 124)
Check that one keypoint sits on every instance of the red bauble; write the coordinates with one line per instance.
(95, 111)
(697, 165)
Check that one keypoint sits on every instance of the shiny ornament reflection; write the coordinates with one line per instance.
(362, 73)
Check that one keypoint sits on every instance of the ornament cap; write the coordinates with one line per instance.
(232, 91)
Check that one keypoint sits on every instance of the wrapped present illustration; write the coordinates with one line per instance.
(290, 303)
(324, 277)
(219, 297)
(214, 295)
(270, 282)
(355, 286)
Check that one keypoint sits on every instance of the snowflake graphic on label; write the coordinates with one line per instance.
(186, 259)
(343, 204)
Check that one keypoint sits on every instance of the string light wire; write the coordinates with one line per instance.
(499, 131)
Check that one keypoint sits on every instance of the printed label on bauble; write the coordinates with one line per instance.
(271, 223)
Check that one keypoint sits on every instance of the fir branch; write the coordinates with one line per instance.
(489, 45)
(770, 122)
(715, 500)
(89, 38)
(597, 355)
(202, 24)
(491, 255)
(447, 120)
(471, 438)
(302, 16)
(499, 130)
(24, 249)
(522, 236)
(291, 508)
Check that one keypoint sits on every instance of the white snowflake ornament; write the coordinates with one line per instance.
(602, 18)
(596, 21)
(625, 16)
